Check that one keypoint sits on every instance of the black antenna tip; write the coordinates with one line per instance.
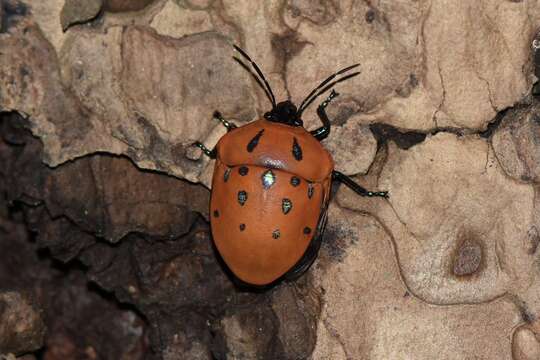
(348, 76)
(347, 69)
(241, 51)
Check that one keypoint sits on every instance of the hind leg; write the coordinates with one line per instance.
(336, 175)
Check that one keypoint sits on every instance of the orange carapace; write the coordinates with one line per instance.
(271, 188)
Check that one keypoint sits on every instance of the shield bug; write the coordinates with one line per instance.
(271, 187)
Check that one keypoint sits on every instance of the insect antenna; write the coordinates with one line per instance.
(267, 89)
(314, 94)
(326, 82)
(256, 78)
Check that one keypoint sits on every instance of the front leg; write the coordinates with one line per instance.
(210, 153)
(336, 175)
(322, 132)
(229, 125)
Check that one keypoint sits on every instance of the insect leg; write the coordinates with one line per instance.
(336, 175)
(210, 153)
(229, 125)
(322, 132)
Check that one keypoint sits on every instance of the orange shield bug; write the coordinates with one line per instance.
(271, 187)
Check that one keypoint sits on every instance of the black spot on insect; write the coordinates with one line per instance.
(255, 141)
(268, 179)
(295, 181)
(216, 213)
(310, 190)
(276, 234)
(243, 170)
(307, 230)
(296, 150)
(242, 197)
(286, 206)
(242, 227)
(226, 174)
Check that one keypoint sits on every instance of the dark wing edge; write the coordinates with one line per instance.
(312, 250)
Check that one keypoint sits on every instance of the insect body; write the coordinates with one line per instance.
(271, 188)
